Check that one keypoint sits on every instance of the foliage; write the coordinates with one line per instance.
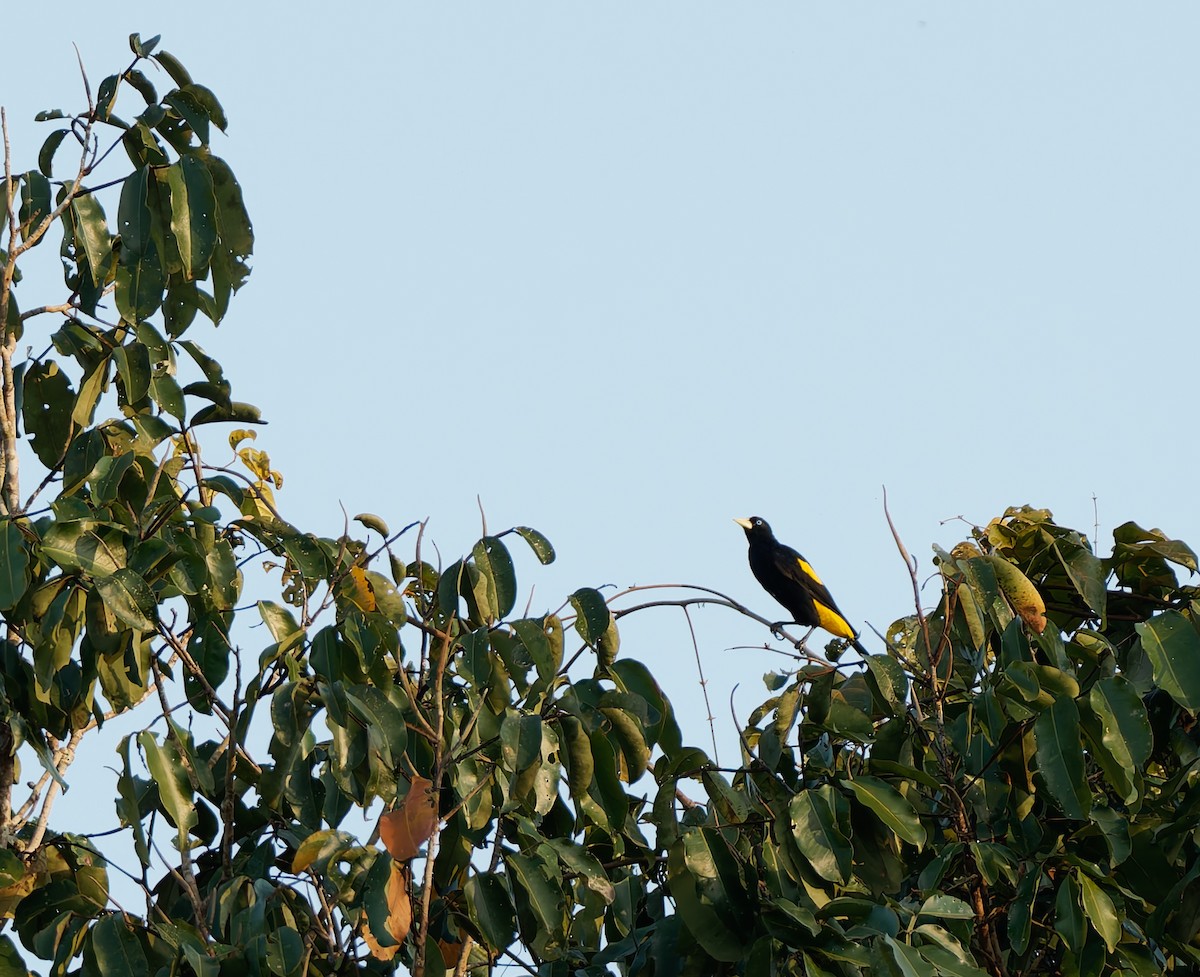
(1008, 788)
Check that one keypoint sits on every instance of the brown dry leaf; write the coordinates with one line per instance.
(407, 828)
(400, 913)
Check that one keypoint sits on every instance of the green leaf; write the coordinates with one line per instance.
(1060, 757)
(165, 391)
(35, 202)
(889, 679)
(818, 835)
(286, 952)
(139, 281)
(193, 211)
(279, 622)
(73, 547)
(1126, 727)
(711, 925)
(172, 66)
(578, 859)
(532, 634)
(118, 952)
(174, 790)
(47, 407)
(520, 741)
(91, 234)
(891, 807)
(376, 900)
(539, 888)
(1068, 919)
(90, 390)
(14, 565)
(106, 477)
(134, 219)
(1020, 912)
(127, 595)
(1086, 572)
(492, 559)
(943, 906)
(142, 48)
(190, 109)
(49, 148)
(491, 910)
(127, 801)
(236, 412)
(909, 963)
(12, 869)
(592, 614)
(1173, 647)
(237, 233)
(538, 543)
(11, 964)
(372, 521)
(1101, 912)
(133, 367)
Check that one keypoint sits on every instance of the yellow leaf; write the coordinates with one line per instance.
(240, 435)
(360, 589)
(404, 830)
(1021, 593)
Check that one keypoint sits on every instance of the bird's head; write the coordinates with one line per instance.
(755, 526)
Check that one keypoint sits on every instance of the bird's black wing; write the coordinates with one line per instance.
(794, 567)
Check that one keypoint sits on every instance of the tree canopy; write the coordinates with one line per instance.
(1008, 787)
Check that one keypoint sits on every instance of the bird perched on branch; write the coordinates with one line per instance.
(788, 577)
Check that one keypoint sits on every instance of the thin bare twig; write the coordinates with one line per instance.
(712, 726)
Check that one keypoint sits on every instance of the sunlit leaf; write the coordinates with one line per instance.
(1100, 911)
(819, 837)
(1173, 647)
(404, 830)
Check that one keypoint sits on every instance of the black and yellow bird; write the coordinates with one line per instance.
(790, 579)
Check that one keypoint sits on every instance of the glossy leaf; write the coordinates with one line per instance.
(1126, 727)
(193, 214)
(372, 521)
(540, 892)
(1100, 911)
(494, 563)
(709, 924)
(126, 593)
(91, 234)
(1173, 647)
(538, 543)
(49, 148)
(35, 202)
(118, 952)
(1060, 757)
(818, 836)
(890, 806)
(491, 910)
(174, 790)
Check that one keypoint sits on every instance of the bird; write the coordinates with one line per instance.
(791, 580)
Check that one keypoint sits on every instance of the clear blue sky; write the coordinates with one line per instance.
(628, 271)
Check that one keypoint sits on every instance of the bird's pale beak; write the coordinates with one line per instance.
(744, 523)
